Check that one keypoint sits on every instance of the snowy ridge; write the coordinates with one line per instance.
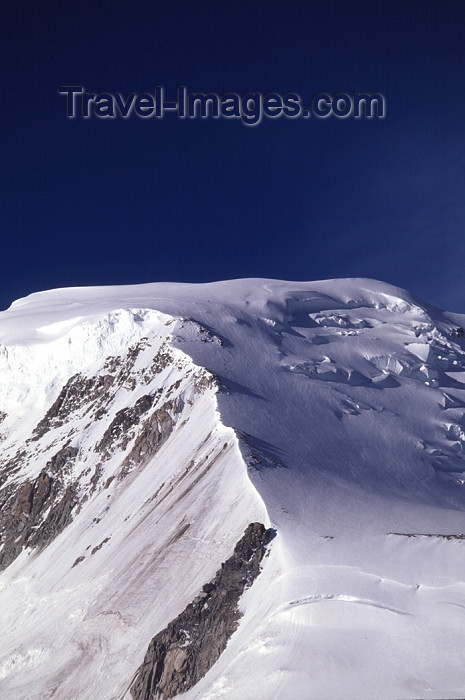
(91, 595)
(334, 411)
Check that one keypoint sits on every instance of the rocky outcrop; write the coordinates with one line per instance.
(62, 461)
(117, 433)
(33, 513)
(57, 518)
(181, 654)
(154, 431)
(21, 507)
(78, 392)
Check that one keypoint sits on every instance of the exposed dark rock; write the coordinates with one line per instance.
(96, 476)
(11, 466)
(22, 521)
(181, 654)
(155, 431)
(57, 519)
(118, 430)
(125, 376)
(77, 393)
(62, 460)
(205, 381)
(162, 359)
(112, 363)
(99, 546)
(422, 534)
(32, 497)
(21, 505)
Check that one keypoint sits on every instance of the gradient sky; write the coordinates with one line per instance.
(89, 202)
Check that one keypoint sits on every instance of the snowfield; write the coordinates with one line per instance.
(169, 417)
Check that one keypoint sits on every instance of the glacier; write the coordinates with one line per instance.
(144, 427)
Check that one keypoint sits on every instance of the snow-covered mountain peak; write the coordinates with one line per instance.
(145, 428)
(240, 293)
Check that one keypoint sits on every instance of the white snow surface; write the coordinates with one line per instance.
(339, 420)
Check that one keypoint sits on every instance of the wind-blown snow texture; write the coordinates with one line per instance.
(162, 419)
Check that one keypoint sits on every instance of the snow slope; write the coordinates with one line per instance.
(334, 411)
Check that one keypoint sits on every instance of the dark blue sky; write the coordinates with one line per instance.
(125, 201)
